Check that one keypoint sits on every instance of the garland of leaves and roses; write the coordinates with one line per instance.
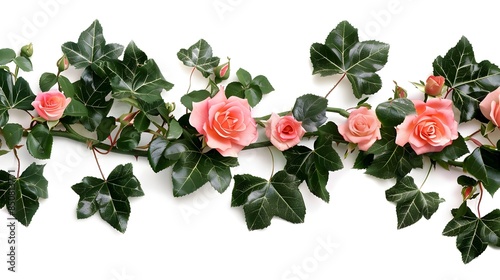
(202, 145)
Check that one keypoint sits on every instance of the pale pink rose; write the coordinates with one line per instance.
(284, 132)
(51, 105)
(434, 85)
(490, 106)
(362, 128)
(431, 129)
(226, 123)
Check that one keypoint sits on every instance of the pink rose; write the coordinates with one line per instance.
(51, 105)
(226, 123)
(431, 129)
(284, 132)
(490, 106)
(362, 128)
(434, 85)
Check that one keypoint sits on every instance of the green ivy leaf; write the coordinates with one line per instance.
(6, 56)
(262, 199)
(195, 96)
(470, 81)
(109, 197)
(199, 55)
(310, 109)
(474, 234)
(47, 81)
(391, 160)
(394, 112)
(411, 203)
(91, 48)
(39, 142)
(484, 165)
(313, 166)
(13, 96)
(12, 133)
(141, 122)
(342, 53)
(129, 139)
(155, 154)
(21, 195)
(105, 128)
(136, 77)
(452, 152)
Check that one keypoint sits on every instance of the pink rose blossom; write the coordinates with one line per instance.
(284, 132)
(226, 123)
(431, 129)
(490, 106)
(362, 128)
(51, 105)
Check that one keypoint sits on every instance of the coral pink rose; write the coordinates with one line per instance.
(431, 129)
(490, 106)
(362, 128)
(51, 105)
(284, 132)
(226, 123)
(434, 85)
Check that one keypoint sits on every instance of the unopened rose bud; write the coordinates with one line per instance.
(434, 85)
(62, 63)
(222, 71)
(399, 92)
(467, 192)
(27, 50)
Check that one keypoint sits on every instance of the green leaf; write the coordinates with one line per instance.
(393, 112)
(262, 199)
(21, 195)
(484, 165)
(244, 76)
(342, 53)
(141, 122)
(155, 154)
(199, 55)
(105, 128)
(174, 130)
(12, 133)
(474, 234)
(263, 83)
(391, 160)
(411, 203)
(248, 88)
(470, 81)
(195, 96)
(129, 139)
(66, 86)
(136, 79)
(466, 181)
(6, 56)
(452, 152)
(91, 48)
(39, 142)
(109, 197)
(18, 95)
(310, 109)
(313, 166)
(76, 109)
(24, 63)
(47, 81)
(235, 89)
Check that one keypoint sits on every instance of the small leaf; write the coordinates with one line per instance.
(129, 139)
(411, 203)
(12, 133)
(155, 154)
(141, 122)
(47, 81)
(466, 181)
(195, 96)
(105, 128)
(311, 111)
(174, 130)
(263, 83)
(6, 56)
(24, 63)
(484, 165)
(393, 112)
(244, 77)
(39, 142)
(199, 55)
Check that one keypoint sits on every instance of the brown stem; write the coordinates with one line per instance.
(340, 80)
(98, 165)
(18, 162)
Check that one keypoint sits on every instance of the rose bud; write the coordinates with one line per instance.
(434, 85)
(222, 71)
(468, 192)
(62, 63)
(27, 50)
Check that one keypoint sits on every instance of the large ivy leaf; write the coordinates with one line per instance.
(470, 81)
(263, 199)
(136, 77)
(314, 166)
(474, 234)
(109, 197)
(342, 53)
(484, 164)
(389, 160)
(199, 55)
(91, 48)
(21, 195)
(411, 203)
(13, 96)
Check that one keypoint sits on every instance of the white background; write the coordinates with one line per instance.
(200, 236)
